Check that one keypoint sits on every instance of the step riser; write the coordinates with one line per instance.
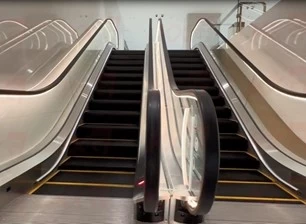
(211, 91)
(120, 86)
(124, 119)
(118, 96)
(120, 69)
(243, 164)
(107, 133)
(228, 128)
(114, 106)
(233, 144)
(103, 151)
(123, 169)
(191, 82)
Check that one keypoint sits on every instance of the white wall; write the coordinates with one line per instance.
(133, 18)
(79, 14)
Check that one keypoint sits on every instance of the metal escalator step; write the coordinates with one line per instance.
(126, 57)
(86, 191)
(233, 142)
(242, 175)
(212, 90)
(228, 126)
(191, 73)
(125, 62)
(194, 81)
(99, 163)
(124, 69)
(188, 66)
(128, 52)
(186, 60)
(122, 77)
(133, 105)
(96, 147)
(109, 116)
(118, 94)
(238, 160)
(218, 100)
(262, 191)
(105, 177)
(184, 53)
(132, 85)
(223, 112)
(107, 131)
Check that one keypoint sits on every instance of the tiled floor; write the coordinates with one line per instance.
(36, 209)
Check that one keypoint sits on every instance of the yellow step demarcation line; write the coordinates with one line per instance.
(104, 157)
(39, 185)
(98, 171)
(265, 175)
(90, 184)
(245, 182)
(237, 198)
(283, 188)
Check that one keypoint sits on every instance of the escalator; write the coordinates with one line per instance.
(240, 177)
(101, 159)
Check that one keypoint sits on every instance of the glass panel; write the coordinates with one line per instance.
(32, 122)
(186, 140)
(269, 108)
(10, 29)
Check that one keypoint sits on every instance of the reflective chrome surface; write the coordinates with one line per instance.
(79, 108)
(268, 151)
(250, 128)
(188, 154)
(50, 109)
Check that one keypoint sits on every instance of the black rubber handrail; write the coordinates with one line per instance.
(210, 136)
(64, 73)
(153, 137)
(250, 64)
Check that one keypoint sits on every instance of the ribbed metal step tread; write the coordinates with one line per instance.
(238, 160)
(186, 60)
(228, 125)
(251, 190)
(188, 66)
(105, 131)
(218, 100)
(125, 62)
(109, 116)
(133, 105)
(118, 94)
(93, 177)
(95, 147)
(191, 73)
(223, 112)
(128, 52)
(124, 69)
(184, 53)
(131, 85)
(91, 163)
(242, 175)
(85, 191)
(111, 75)
(233, 142)
(194, 81)
(212, 90)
